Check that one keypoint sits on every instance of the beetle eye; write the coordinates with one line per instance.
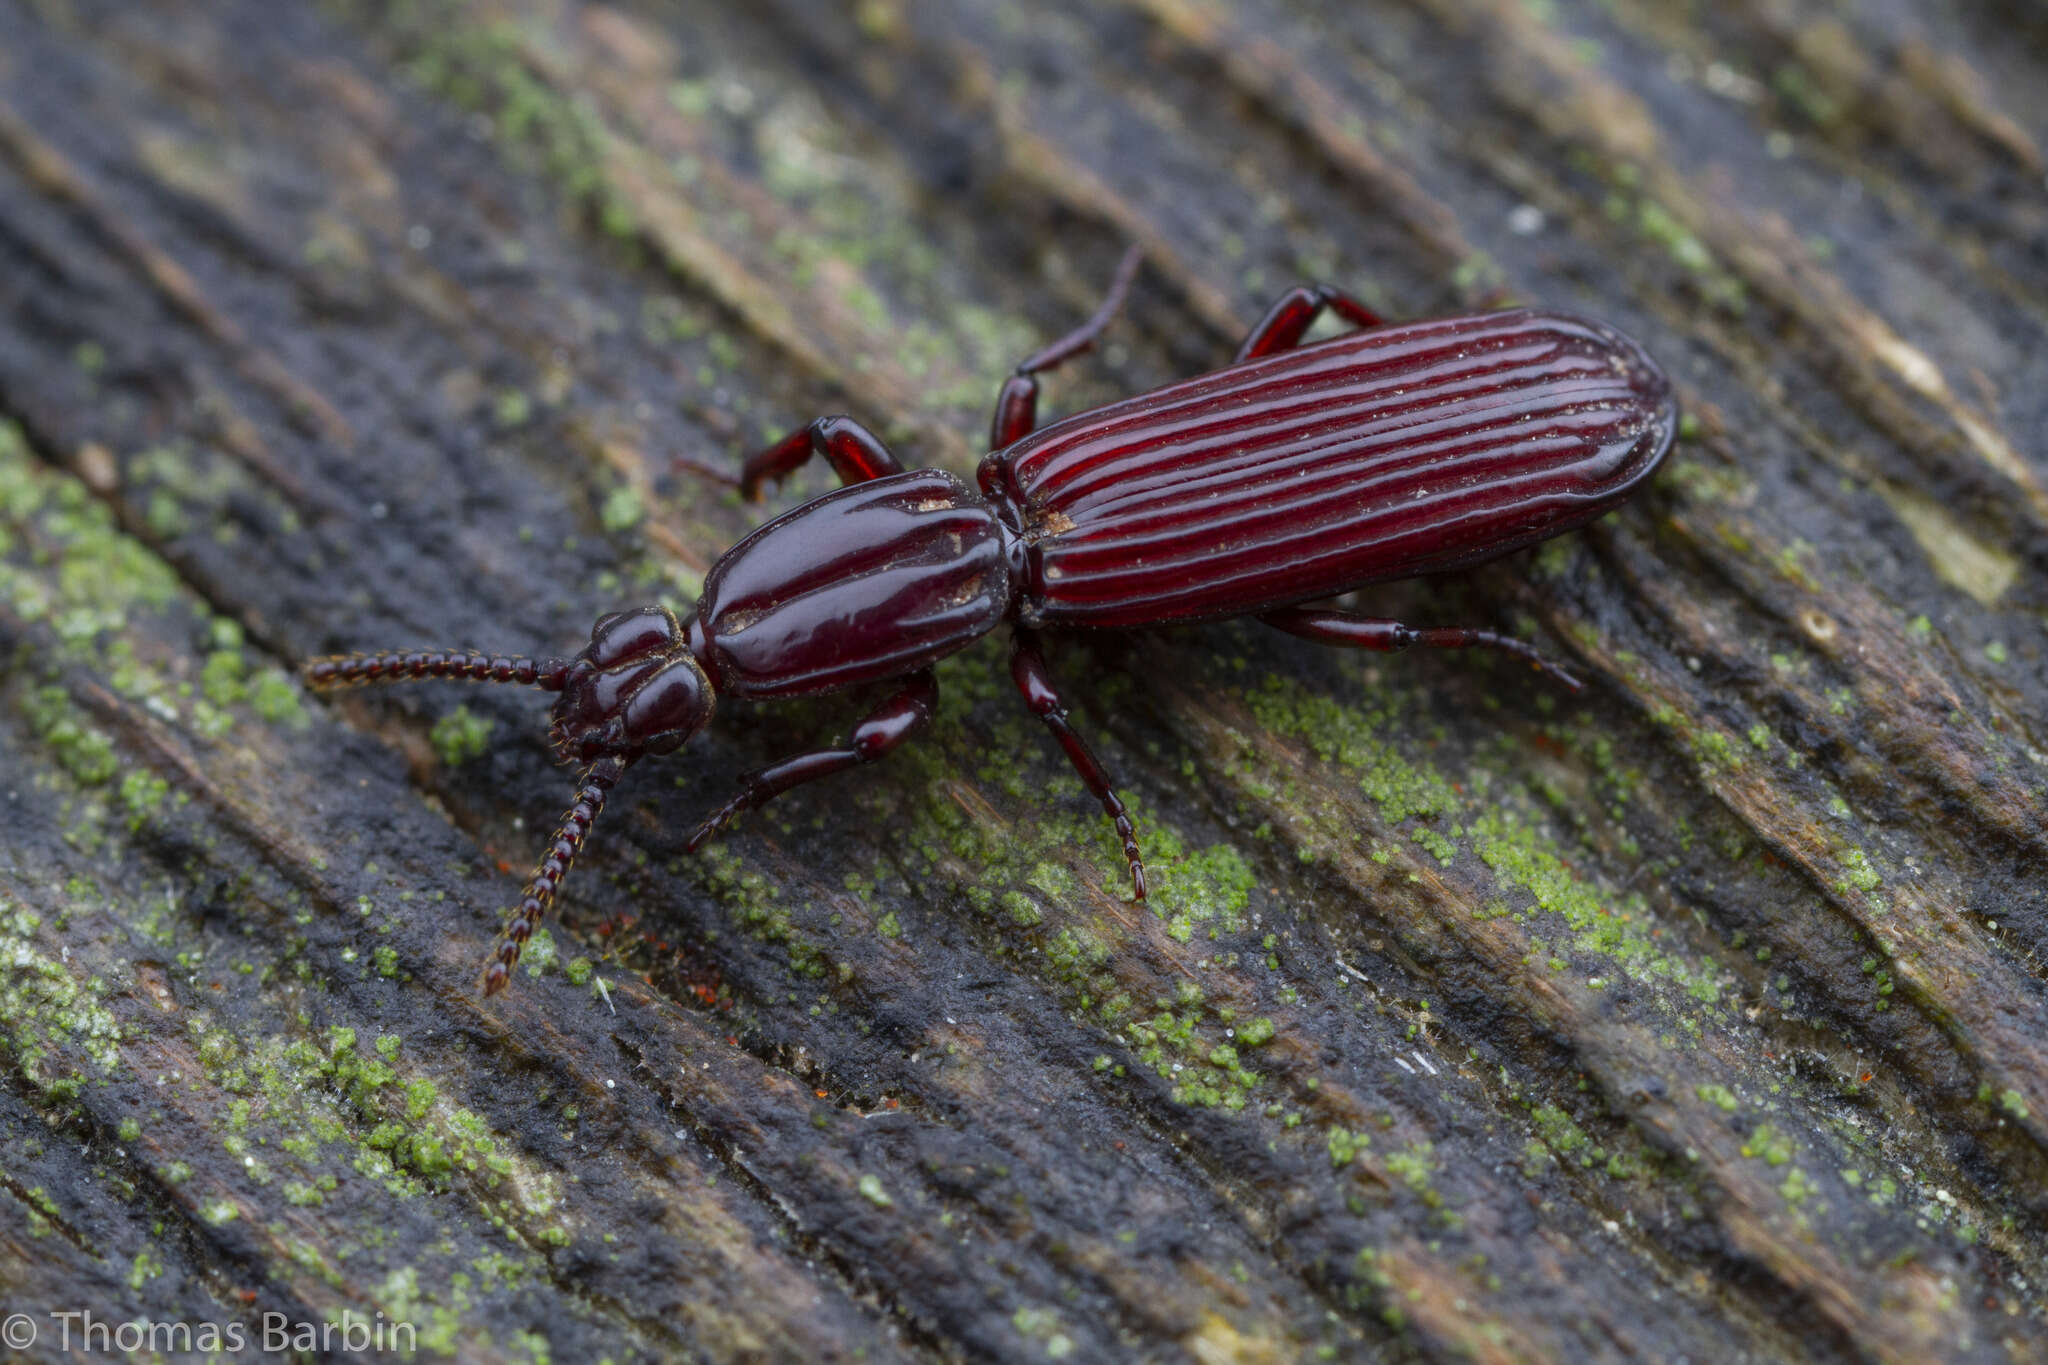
(667, 709)
(627, 635)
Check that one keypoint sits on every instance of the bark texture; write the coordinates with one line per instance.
(1696, 1016)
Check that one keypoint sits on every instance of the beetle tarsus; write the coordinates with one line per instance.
(1084, 337)
(1468, 638)
(703, 469)
(1129, 834)
(1017, 405)
(1328, 626)
(1028, 671)
(724, 815)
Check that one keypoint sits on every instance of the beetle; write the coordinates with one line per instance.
(1296, 473)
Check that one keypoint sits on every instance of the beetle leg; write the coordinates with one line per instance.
(1328, 626)
(855, 454)
(1027, 667)
(1017, 405)
(887, 726)
(1295, 311)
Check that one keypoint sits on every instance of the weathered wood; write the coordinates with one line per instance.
(1698, 1016)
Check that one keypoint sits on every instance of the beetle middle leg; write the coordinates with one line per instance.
(887, 726)
(1328, 626)
(1294, 312)
(1027, 668)
(1017, 405)
(855, 454)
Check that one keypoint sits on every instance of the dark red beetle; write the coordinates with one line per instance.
(1296, 473)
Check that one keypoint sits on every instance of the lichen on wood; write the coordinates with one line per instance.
(1699, 1015)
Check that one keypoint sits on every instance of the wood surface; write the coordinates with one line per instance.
(1697, 1016)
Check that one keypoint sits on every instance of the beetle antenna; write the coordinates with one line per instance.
(414, 665)
(583, 810)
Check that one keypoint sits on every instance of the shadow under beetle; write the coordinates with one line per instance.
(1295, 473)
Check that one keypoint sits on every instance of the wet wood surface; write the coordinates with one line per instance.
(1699, 1015)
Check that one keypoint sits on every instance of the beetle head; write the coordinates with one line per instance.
(636, 690)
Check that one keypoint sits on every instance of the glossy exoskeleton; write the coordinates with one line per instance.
(1296, 473)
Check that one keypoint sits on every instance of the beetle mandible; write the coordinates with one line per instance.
(1294, 474)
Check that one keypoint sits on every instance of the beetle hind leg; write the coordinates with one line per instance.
(885, 727)
(1017, 405)
(1328, 626)
(1294, 312)
(1027, 668)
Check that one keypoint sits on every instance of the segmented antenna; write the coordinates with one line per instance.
(416, 665)
(468, 665)
(583, 810)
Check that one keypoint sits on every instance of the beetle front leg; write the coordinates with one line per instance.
(1328, 626)
(1027, 667)
(1294, 312)
(855, 454)
(887, 726)
(1017, 405)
